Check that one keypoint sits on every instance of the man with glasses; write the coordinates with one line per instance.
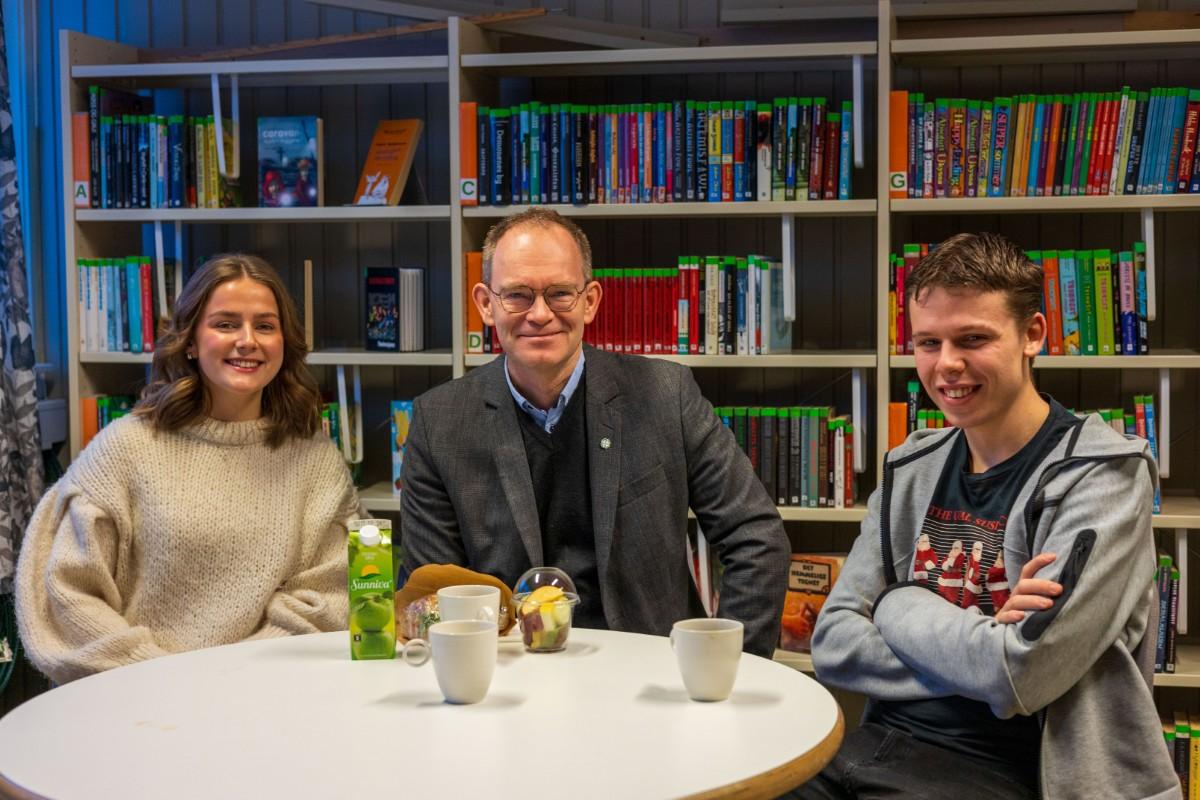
(563, 455)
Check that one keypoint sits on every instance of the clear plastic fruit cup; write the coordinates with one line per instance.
(545, 598)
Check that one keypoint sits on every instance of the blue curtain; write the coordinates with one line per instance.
(21, 476)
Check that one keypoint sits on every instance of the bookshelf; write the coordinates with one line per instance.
(863, 230)
(92, 233)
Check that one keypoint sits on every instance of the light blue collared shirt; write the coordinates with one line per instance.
(546, 420)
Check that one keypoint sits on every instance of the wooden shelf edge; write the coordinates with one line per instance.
(1177, 359)
(1039, 205)
(817, 208)
(667, 55)
(797, 661)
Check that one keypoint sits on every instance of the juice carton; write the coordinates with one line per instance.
(372, 590)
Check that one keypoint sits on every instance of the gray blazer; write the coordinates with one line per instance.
(468, 497)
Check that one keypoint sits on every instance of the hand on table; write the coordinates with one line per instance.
(1031, 593)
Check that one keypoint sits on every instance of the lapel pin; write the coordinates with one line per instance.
(605, 443)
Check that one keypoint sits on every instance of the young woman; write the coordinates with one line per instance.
(215, 513)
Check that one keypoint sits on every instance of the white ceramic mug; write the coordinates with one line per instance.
(469, 601)
(414, 651)
(708, 652)
(464, 658)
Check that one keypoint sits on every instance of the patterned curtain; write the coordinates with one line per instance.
(21, 480)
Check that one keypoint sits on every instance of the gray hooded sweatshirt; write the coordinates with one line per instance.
(1084, 666)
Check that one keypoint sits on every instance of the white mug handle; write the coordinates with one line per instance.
(486, 614)
(415, 652)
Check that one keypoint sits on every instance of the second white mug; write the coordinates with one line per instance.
(708, 652)
(469, 601)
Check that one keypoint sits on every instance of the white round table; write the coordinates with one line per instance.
(295, 717)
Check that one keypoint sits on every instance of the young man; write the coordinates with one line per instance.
(565, 455)
(1049, 693)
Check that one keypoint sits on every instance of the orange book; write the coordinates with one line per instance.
(81, 158)
(89, 418)
(1052, 292)
(898, 144)
(468, 154)
(388, 161)
(810, 578)
(474, 320)
(1020, 149)
(1047, 187)
(897, 430)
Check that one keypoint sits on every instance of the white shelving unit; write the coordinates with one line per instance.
(471, 71)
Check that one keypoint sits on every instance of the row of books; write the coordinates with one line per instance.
(804, 455)
(707, 305)
(1094, 300)
(117, 308)
(126, 156)
(1042, 145)
(395, 309)
(1181, 734)
(795, 148)
(1166, 580)
(97, 411)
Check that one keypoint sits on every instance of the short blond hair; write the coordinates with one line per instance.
(543, 218)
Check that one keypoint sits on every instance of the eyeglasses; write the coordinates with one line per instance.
(559, 297)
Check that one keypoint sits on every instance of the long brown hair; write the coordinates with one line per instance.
(176, 395)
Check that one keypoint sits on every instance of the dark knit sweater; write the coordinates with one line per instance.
(558, 466)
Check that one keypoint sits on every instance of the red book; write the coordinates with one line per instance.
(1187, 155)
(148, 315)
(1052, 291)
(1099, 135)
(695, 335)
(1110, 141)
(833, 130)
(674, 295)
(901, 315)
(816, 151)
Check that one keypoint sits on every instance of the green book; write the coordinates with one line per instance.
(1088, 133)
(805, 464)
(821, 489)
(1104, 305)
(1087, 302)
(739, 427)
(814, 454)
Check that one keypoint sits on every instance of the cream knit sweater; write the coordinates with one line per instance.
(155, 543)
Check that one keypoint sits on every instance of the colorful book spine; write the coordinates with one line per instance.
(1104, 302)
(1069, 298)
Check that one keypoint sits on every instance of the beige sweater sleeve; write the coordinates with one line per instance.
(68, 603)
(315, 598)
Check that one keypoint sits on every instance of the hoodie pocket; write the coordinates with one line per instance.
(1069, 577)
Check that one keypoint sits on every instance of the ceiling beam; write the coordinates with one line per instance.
(575, 30)
(742, 11)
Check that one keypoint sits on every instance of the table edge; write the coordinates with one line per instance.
(787, 776)
(11, 791)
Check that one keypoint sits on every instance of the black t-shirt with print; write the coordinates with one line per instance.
(959, 555)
